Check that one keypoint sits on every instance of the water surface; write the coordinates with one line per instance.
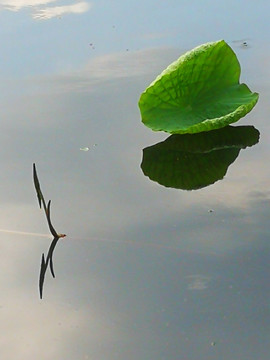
(145, 271)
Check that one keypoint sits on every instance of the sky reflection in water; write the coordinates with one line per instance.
(145, 271)
(41, 11)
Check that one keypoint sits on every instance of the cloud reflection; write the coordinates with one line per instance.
(15, 5)
(41, 13)
(58, 11)
(116, 66)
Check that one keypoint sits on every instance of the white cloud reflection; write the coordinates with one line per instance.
(39, 12)
(57, 11)
(15, 5)
(146, 63)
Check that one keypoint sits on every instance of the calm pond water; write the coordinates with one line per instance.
(146, 271)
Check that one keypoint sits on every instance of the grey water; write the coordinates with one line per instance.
(146, 271)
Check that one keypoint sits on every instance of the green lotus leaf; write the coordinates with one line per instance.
(193, 161)
(198, 92)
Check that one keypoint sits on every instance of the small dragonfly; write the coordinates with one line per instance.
(56, 236)
(242, 43)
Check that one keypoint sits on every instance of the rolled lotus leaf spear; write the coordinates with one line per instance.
(56, 236)
(38, 190)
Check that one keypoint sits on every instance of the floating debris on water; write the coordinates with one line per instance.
(86, 148)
